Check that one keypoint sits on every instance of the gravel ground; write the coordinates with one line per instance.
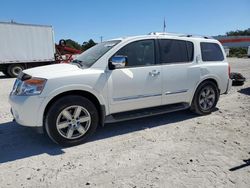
(173, 150)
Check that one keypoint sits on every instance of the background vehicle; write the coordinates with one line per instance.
(23, 46)
(121, 79)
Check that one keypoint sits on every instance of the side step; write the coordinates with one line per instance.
(134, 114)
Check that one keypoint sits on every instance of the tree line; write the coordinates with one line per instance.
(84, 46)
(239, 32)
(238, 52)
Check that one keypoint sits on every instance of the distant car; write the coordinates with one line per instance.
(121, 79)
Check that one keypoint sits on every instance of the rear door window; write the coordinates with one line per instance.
(176, 51)
(211, 52)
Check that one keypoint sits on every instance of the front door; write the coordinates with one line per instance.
(138, 84)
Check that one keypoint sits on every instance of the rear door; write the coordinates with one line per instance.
(176, 57)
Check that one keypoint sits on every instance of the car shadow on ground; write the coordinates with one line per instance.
(120, 128)
(17, 142)
(245, 91)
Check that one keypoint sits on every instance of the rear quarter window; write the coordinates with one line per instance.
(211, 52)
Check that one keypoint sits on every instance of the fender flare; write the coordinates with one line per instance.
(64, 89)
(207, 77)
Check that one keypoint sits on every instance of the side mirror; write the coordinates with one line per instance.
(117, 62)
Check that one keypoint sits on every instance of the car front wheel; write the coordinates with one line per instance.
(71, 120)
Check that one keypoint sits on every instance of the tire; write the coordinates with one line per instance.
(238, 83)
(14, 69)
(65, 129)
(205, 98)
(237, 79)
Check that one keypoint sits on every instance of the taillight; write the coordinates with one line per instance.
(229, 71)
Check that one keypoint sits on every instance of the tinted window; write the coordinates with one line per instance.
(190, 49)
(139, 53)
(172, 51)
(211, 52)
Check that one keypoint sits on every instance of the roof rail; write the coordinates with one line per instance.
(180, 35)
(164, 33)
(197, 36)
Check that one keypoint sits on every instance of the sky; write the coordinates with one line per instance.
(81, 20)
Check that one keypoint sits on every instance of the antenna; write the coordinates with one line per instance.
(164, 26)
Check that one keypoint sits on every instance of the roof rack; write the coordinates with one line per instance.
(197, 36)
(180, 35)
(164, 33)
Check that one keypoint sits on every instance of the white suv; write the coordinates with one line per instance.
(121, 79)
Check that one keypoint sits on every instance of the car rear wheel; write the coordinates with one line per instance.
(205, 98)
(71, 120)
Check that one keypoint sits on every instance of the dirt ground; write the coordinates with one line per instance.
(174, 150)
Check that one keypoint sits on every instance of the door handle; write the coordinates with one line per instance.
(154, 73)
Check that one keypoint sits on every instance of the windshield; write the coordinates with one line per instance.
(90, 56)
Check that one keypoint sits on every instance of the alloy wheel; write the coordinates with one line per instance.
(207, 98)
(73, 122)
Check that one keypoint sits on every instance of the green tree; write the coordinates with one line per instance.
(87, 45)
(73, 44)
(239, 32)
(238, 52)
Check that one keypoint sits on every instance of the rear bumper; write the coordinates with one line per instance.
(229, 85)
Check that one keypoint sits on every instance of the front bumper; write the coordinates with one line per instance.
(25, 109)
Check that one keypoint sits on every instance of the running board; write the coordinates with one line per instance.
(134, 114)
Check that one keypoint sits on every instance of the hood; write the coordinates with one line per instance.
(53, 71)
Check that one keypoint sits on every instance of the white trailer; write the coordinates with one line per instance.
(24, 45)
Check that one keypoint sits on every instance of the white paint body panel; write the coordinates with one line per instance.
(134, 88)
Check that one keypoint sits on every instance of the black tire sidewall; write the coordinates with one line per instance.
(196, 104)
(11, 69)
(57, 107)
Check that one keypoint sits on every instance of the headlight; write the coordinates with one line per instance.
(32, 86)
